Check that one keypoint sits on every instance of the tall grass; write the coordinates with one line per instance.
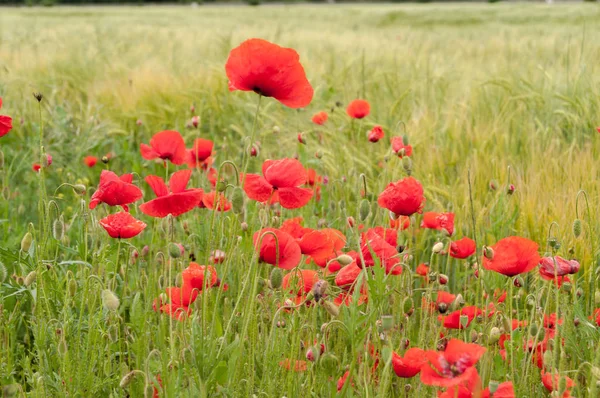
(505, 92)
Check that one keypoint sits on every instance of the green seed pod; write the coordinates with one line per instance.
(408, 305)
(364, 209)
(221, 186)
(276, 278)
(58, 229)
(26, 242)
(79, 189)
(533, 329)
(174, 250)
(110, 300)
(3, 272)
(494, 335)
(237, 200)
(62, 347)
(577, 228)
(72, 287)
(30, 278)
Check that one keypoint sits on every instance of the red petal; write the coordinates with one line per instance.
(257, 188)
(169, 145)
(179, 180)
(174, 204)
(294, 198)
(158, 185)
(285, 173)
(5, 125)
(147, 152)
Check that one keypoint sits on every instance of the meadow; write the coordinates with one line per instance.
(500, 104)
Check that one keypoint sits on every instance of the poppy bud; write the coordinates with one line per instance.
(350, 222)
(79, 189)
(301, 138)
(38, 96)
(329, 363)
(276, 130)
(26, 242)
(364, 209)
(254, 151)
(105, 159)
(533, 329)
(174, 250)
(577, 228)
(244, 226)
(319, 154)
(442, 279)
(437, 248)
(145, 251)
(344, 259)
(407, 164)
(72, 287)
(276, 278)
(554, 243)
(139, 122)
(333, 309)
(547, 357)
(3, 272)
(579, 292)
(221, 186)
(511, 189)
(62, 347)
(126, 380)
(110, 300)
(494, 335)
(488, 252)
(47, 160)
(319, 289)
(493, 185)
(408, 305)
(58, 229)
(237, 200)
(30, 278)
(195, 121)
(518, 282)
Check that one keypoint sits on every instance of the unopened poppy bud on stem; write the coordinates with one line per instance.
(437, 248)
(174, 250)
(494, 335)
(221, 186)
(443, 279)
(364, 209)
(79, 189)
(577, 228)
(319, 289)
(127, 379)
(301, 138)
(344, 259)
(319, 154)
(105, 159)
(237, 200)
(331, 308)
(26, 242)
(30, 278)
(110, 300)
(488, 252)
(407, 164)
(276, 278)
(276, 129)
(511, 189)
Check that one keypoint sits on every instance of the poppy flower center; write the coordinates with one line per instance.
(451, 370)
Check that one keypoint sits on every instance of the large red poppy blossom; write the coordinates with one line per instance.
(5, 123)
(300, 282)
(122, 225)
(386, 254)
(269, 70)
(321, 245)
(182, 296)
(175, 199)
(438, 221)
(196, 276)
(166, 145)
(513, 256)
(282, 252)
(215, 201)
(453, 366)
(115, 191)
(551, 267)
(552, 383)
(90, 161)
(200, 154)
(410, 365)
(390, 235)
(462, 248)
(279, 183)
(398, 146)
(346, 276)
(453, 320)
(358, 109)
(320, 118)
(375, 134)
(469, 389)
(403, 198)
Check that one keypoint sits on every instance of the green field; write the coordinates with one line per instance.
(487, 95)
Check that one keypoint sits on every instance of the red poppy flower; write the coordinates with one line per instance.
(504, 390)
(177, 312)
(358, 109)
(390, 235)
(279, 182)
(422, 269)
(200, 154)
(386, 253)
(182, 296)
(410, 365)
(375, 134)
(398, 146)
(345, 298)
(299, 282)
(269, 70)
(552, 267)
(442, 297)
(513, 256)
(438, 221)
(453, 366)
(342, 380)
(166, 145)
(5, 123)
(469, 389)
(175, 199)
(552, 383)
(284, 252)
(312, 178)
(401, 223)
(462, 248)
(321, 245)
(36, 167)
(453, 320)
(194, 276)
(90, 161)
(320, 118)
(122, 225)
(222, 204)
(346, 276)
(115, 191)
(293, 226)
(403, 198)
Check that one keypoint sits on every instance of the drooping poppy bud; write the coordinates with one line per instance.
(110, 300)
